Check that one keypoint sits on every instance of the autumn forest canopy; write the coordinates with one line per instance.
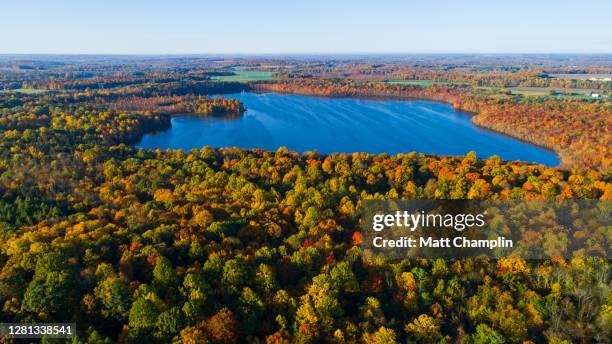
(233, 245)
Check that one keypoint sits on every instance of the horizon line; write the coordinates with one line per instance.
(297, 53)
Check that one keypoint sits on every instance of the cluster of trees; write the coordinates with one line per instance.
(577, 130)
(217, 106)
(202, 105)
(231, 245)
(566, 83)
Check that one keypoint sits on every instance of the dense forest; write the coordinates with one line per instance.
(231, 245)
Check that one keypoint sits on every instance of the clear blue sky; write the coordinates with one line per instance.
(301, 26)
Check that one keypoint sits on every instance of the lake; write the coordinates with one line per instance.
(329, 125)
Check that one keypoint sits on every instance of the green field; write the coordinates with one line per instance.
(245, 76)
(539, 91)
(27, 91)
(545, 91)
(422, 83)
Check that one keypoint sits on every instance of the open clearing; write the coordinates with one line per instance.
(245, 76)
(27, 91)
(544, 91)
(540, 91)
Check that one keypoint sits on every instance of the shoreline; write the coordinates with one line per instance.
(548, 149)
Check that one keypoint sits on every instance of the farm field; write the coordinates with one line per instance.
(544, 91)
(245, 76)
(540, 91)
(26, 91)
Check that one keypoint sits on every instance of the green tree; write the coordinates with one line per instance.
(51, 294)
(114, 296)
(265, 278)
(143, 314)
(170, 322)
(234, 275)
(164, 274)
(343, 278)
(485, 335)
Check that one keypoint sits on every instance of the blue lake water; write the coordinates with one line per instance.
(329, 125)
